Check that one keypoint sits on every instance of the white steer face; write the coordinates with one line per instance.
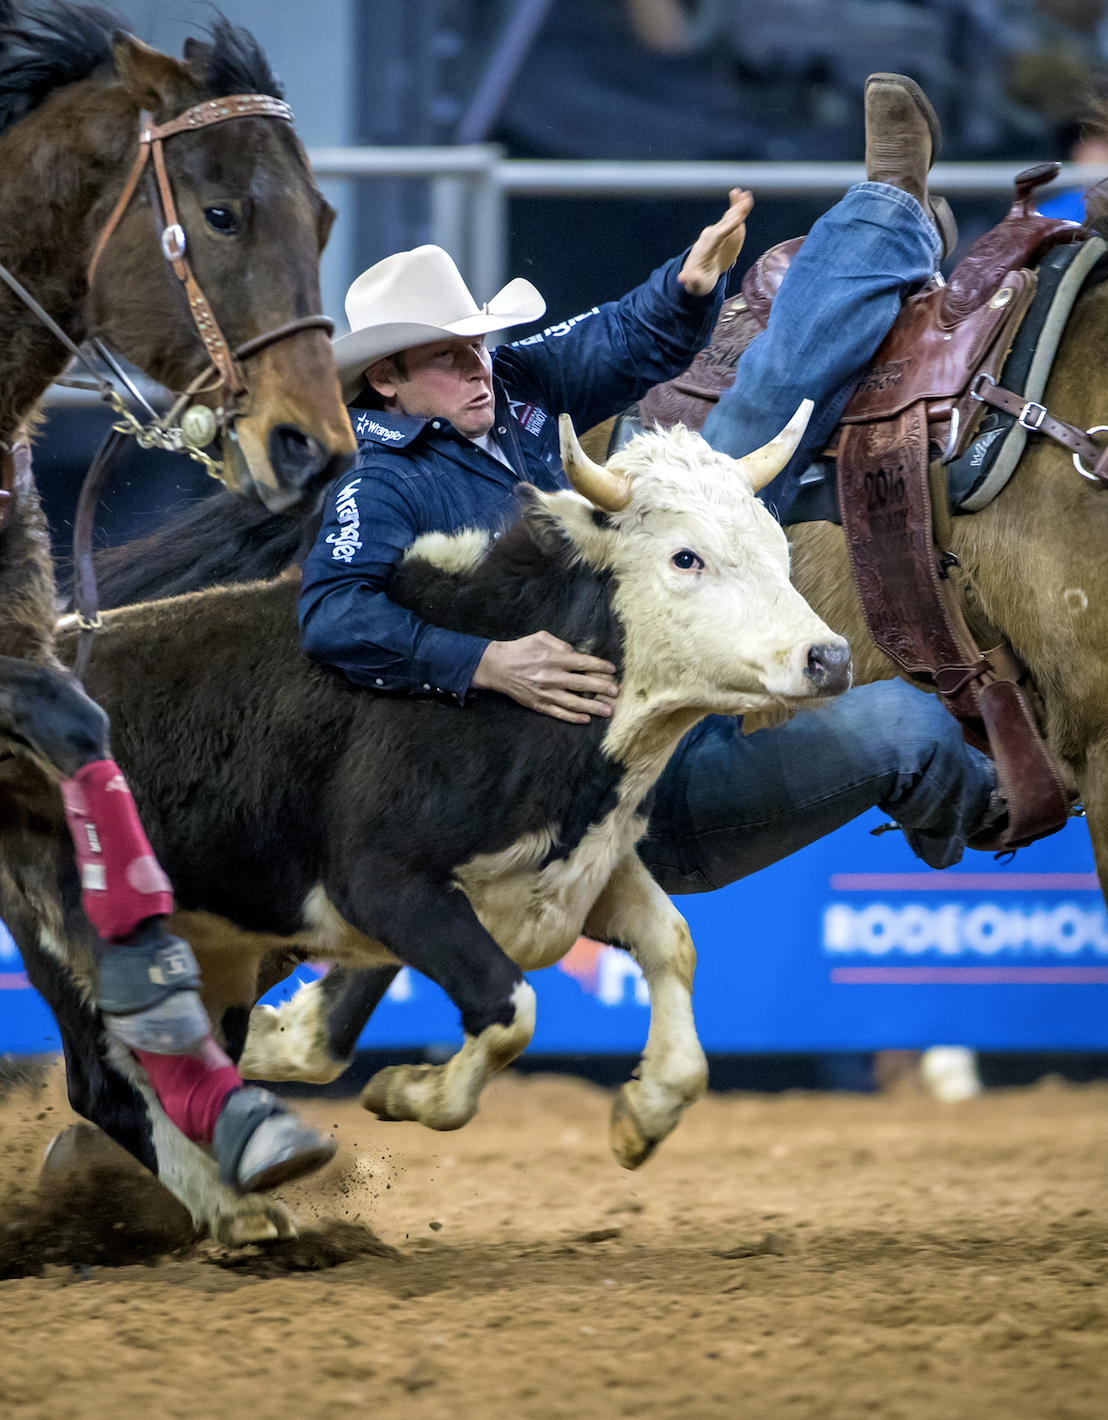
(702, 583)
(706, 597)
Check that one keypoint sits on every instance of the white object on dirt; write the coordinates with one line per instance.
(949, 1073)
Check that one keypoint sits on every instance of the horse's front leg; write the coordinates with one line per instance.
(147, 979)
(107, 1086)
(634, 913)
(45, 715)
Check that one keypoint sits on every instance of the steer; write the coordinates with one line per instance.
(296, 813)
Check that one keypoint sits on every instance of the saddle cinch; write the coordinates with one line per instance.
(934, 384)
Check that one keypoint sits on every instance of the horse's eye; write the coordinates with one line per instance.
(686, 560)
(221, 219)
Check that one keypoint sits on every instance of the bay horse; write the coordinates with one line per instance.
(166, 210)
(1029, 568)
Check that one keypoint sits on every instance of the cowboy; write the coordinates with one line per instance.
(447, 432)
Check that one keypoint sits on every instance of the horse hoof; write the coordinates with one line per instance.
(270, 1222)
(629, 1145)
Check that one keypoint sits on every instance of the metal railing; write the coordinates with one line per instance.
(470, 185)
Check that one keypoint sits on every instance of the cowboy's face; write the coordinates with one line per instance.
(447, 379)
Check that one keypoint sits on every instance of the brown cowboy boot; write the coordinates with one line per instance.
(903, 139)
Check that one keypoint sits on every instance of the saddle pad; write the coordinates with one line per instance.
(984, 469)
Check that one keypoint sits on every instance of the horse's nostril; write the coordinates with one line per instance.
(296, 457)
(828, 668)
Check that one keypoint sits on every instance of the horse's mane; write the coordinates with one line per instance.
(1096, 209)
(233, 63)
(44, 46)
(208, 543)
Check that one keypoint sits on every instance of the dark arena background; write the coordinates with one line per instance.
(891, 1202)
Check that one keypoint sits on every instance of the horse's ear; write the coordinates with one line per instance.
(197, 55)
(153, 79)
(326, 219)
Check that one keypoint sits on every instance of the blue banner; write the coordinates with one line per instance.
(849, 945)
(26, 1025)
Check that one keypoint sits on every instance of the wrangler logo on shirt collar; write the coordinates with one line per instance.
(346, 541)
(368, 427)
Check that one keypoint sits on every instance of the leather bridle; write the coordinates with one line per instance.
(174, 242)
(172, 431)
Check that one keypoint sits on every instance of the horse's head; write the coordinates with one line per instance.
(254, 225)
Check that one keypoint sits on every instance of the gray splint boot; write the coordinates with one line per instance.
(259, 1145)
(148, 992)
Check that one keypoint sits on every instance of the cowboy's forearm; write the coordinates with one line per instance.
(354, 628)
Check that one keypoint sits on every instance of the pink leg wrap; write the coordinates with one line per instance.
(121, 881)
(192, 1088)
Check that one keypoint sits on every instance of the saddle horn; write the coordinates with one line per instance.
(608, 491)
(764, 464)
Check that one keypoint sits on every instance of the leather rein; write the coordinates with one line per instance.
(186, 428)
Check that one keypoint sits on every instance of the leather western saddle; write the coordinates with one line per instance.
(916, 408)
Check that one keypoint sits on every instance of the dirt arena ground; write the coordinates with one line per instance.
(795, 1256)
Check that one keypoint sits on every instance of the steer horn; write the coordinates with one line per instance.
(767, 462)
(608, 491)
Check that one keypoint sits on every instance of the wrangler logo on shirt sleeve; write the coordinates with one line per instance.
(554, 331)
(346, 541)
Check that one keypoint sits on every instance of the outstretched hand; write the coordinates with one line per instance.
(548, 675)
(717, 248)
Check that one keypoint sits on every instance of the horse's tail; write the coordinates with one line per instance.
(218, 540)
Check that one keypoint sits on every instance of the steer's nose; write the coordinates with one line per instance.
(296, 457)
(828, 668)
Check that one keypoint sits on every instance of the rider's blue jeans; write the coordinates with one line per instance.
(836, 304)
(730, 804)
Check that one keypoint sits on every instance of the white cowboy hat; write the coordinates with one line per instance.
(415, 297)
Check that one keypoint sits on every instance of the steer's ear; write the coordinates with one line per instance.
(568, 528)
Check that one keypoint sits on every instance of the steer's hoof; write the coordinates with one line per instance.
(384, 1095)
(422, 1094)
(629, 1145)
(265, 1221)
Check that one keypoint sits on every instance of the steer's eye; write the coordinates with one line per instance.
(687, 561)
(221, 219)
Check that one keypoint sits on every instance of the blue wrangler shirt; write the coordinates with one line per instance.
(415, 475)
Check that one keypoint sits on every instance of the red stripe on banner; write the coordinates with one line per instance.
(969, 975)
(964, 882)
(14, 981)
